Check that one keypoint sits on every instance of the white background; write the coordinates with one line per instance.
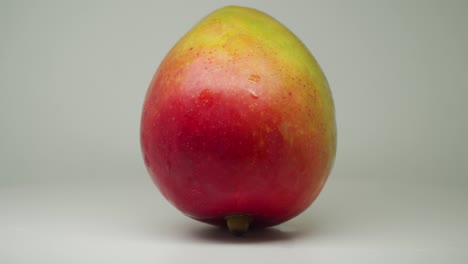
(73, 187)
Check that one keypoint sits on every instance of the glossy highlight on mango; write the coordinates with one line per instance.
(238, 125)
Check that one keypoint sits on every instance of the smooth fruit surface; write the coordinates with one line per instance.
(239, 120)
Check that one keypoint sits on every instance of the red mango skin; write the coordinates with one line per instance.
(239, 119)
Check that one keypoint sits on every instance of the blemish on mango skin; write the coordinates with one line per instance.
(254, 78)
(253, 94)
(206, 98)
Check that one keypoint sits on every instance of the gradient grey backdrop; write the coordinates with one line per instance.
(73, 75)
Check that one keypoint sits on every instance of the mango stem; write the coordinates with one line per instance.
(238, 224)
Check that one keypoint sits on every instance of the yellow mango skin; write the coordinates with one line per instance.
(250, 63)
